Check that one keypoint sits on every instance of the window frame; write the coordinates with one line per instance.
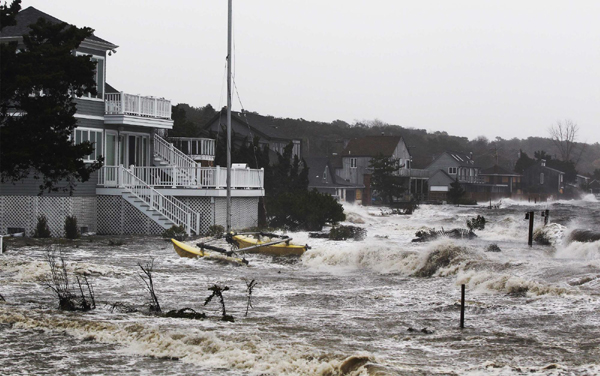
(450, 169)
(88, 158)
(103, 87)
(353, 163)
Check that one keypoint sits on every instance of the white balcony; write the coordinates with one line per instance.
(189, 181)
(199, 149)
(123, 108)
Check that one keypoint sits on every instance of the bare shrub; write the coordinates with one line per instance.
(146, 278)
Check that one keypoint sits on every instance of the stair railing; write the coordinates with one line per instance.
(170, 207)
(171, 154)
(175, 158)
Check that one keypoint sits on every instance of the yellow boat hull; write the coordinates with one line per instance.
(185, 250)
(281, 249)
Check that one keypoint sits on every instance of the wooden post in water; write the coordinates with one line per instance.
(529, 215)
(462, 306)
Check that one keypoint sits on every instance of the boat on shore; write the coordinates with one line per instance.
(267, 244)
(186, 250)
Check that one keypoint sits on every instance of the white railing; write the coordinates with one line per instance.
(200, 177)
(137, 105)
(172, 155)
(195, 147)
(170, 207)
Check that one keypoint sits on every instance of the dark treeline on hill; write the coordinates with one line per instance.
(324, 139)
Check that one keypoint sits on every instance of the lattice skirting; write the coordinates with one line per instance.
(244, 212)
(112, 215)
(116, 216)
(22, 212)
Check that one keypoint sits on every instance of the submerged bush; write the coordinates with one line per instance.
(71, 230)
(476, 223)
(216, 231)
(42, 230)
(347, 232)
(175, 232)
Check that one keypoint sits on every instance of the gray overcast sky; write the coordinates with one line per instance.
(492, 68)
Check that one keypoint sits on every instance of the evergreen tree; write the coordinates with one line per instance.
(38, 81)
(456, 192)
(523, 162)
(383, 180)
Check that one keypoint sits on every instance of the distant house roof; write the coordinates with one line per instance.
(497, 170)
(30, 16)
(263, 126)
(441, 176)
(371, 146)
(462, 159)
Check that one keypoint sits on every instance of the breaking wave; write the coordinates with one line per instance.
(250, 353)
(489, 281)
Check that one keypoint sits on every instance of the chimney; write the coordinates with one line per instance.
(543, 163)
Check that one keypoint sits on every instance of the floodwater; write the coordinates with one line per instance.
(380, 306)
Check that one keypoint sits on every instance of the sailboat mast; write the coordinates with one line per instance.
(229, 28)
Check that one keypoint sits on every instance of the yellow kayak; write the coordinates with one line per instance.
(280, 249)
(185, 250)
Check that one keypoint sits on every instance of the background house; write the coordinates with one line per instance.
(322, 178)
(352, 166)
(543, 181)
(449, 167)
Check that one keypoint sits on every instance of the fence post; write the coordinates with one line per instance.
(174, 175)
(462, 306)
(217, 176)
(1, 244)
(530, 215)
(122, 103)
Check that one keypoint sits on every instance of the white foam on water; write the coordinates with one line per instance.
(579, 250)
(246, 353)
(489, 281)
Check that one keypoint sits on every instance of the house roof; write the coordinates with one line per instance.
(497, 170)
(30, 16)
(262, 125)
(463, 160)
(444, 175)
(371, 146)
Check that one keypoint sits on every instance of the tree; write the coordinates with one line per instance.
(523, 162)
(383, 180)
(564, 137)
(456, 192)
(37, 83)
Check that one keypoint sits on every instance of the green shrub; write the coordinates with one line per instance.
(216, 231)
(175, 232)
(476, 223)
(347, 232)
(71, 229)
(42, 230)
(307, 210)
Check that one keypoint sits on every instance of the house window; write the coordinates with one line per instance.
(541, 178)
(99, 75)
(93, 136)
(452, 170)
(352, 162)
(325, 174)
